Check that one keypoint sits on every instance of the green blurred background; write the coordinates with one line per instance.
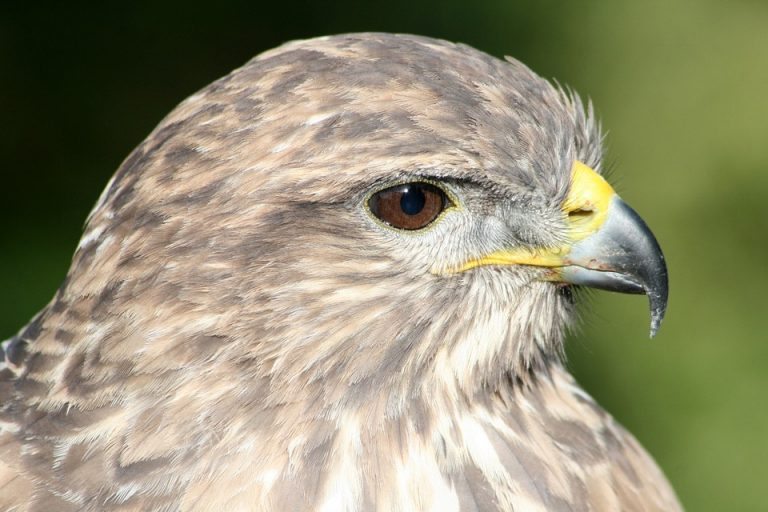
(680, 86)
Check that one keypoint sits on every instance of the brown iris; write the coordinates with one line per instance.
(408, 206)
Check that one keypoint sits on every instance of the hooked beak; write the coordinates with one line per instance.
(621, 256)
(610, 247)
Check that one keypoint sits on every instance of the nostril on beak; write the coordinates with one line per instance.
(580, 214)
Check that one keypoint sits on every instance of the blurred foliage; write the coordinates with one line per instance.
(680, 86)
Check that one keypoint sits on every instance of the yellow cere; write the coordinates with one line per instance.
(587, 202)
(586, 208)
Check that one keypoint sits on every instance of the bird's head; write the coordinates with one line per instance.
(356, 217)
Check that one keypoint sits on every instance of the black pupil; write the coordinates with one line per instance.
(412, 200)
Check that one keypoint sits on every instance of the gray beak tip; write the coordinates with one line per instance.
(655, 324)
(658, 303)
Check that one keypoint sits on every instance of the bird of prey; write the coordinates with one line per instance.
(338, 279)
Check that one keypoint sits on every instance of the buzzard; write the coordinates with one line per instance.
(338, 279)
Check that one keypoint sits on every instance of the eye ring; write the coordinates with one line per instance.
(409, 206)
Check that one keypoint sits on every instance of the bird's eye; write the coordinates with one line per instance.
(409, 206)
